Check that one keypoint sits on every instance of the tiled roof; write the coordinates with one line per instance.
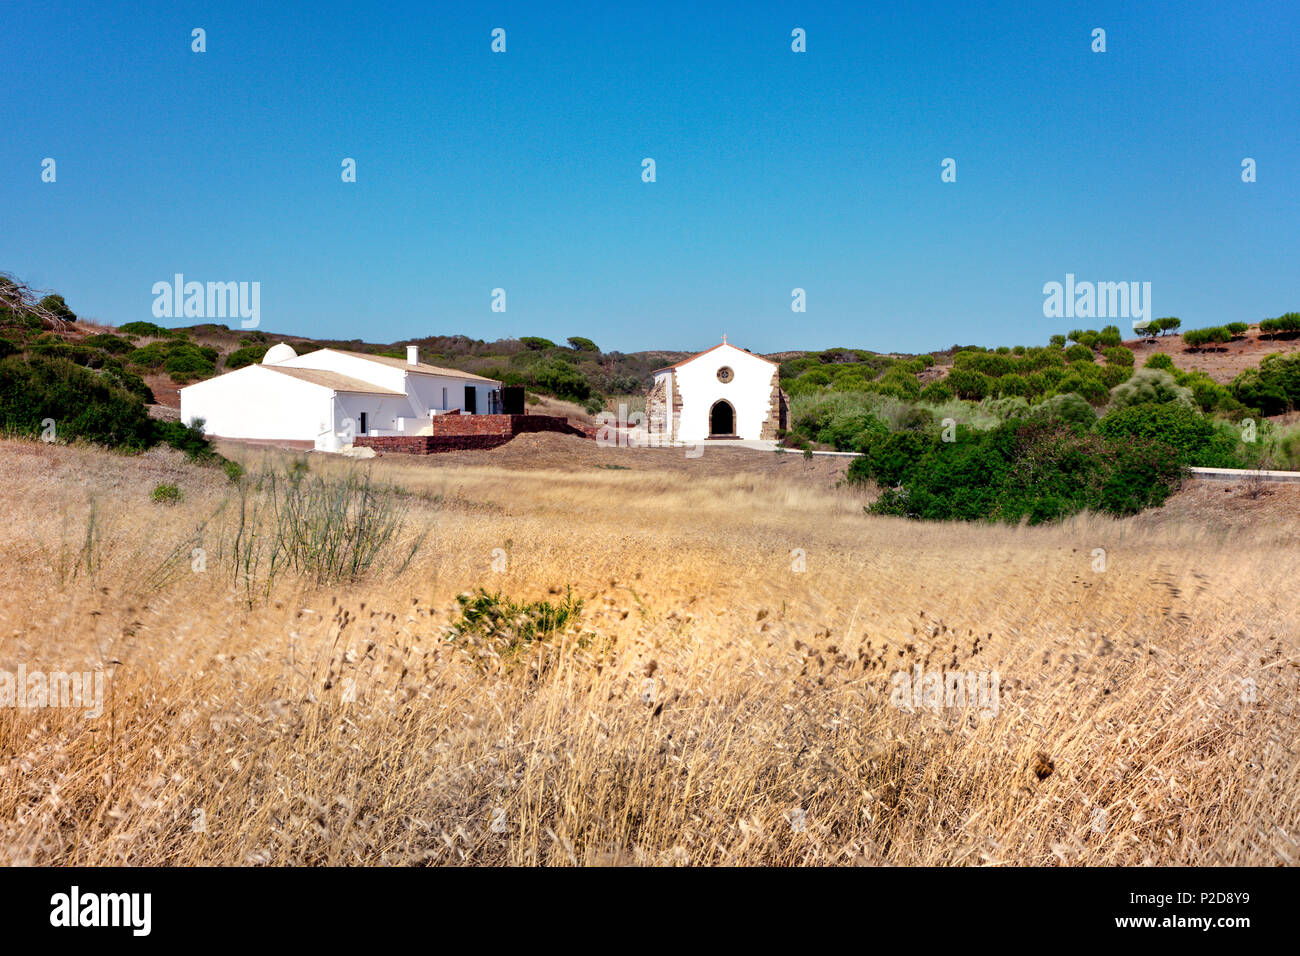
(692, 358)
(339, 383)
(420, 367)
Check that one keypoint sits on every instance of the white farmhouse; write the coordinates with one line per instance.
(724, 392)
(329, 396)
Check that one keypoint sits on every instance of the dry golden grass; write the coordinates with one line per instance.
(713, 706)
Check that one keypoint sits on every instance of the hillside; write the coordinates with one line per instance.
(1219, 367)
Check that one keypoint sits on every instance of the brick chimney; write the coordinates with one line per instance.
(412, 355)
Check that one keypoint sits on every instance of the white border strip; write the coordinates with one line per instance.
(1240, 474)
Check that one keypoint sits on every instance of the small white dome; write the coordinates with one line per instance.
(278, 353)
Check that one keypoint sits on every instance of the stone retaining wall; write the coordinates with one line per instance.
(464, 432)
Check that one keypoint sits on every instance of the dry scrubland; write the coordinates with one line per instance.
(710, 706)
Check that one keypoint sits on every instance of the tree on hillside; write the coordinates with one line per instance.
(580, 344)
(23, 306)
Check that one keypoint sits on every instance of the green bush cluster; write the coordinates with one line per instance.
(1090, 339)
(1118, 355)
(1035, 470)
(1197, 338)
(1195, 439)
(150, 329)
(246, 355)
(1273, 388)
(510, 627)
(37, 389)
(167, 494)
(1290, 322)
(113, 344)
(182, 360)
(82, 405)
(854, 370)
(1161, 326)
(1148, 386)
(1203, 392)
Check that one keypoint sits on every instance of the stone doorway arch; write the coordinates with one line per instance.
(722, 420)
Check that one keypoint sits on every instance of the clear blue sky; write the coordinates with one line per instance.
(818, 170)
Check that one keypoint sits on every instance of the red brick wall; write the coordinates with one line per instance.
(460, 432)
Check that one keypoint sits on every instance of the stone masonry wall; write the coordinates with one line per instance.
(462, 432)
(778, 409)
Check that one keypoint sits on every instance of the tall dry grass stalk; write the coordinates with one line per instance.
(706, 704)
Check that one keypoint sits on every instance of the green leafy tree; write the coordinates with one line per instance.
(536, 343)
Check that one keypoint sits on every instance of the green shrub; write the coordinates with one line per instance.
(845, 429)
(1011, 385)
(900, 384)
(1085, 380)
(167, 494)
(561, 379)
(1195, 439)
(937, 391)
(1149, 386)
(987, 363)
(1057, 341)
(1068, 407)
(1273, 388)
(83, 405)
(509, 627)
(1290, 322)
(968, 384)
(890, 458)
(114, 372)
(1160, 360)
(1040, 470)
(1207, 394)
(1079, 353)
(113, 344)
(1237, 328)
(1196, 338)
(1118, 355)
(186, 438)
(144, 328)
(1112, 375)
(247, 355)
(186, 362)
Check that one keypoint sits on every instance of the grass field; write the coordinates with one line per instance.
(722, 694)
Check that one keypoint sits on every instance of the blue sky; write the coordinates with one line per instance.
(775, 170)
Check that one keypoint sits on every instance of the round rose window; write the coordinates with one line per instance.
(724, 374)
